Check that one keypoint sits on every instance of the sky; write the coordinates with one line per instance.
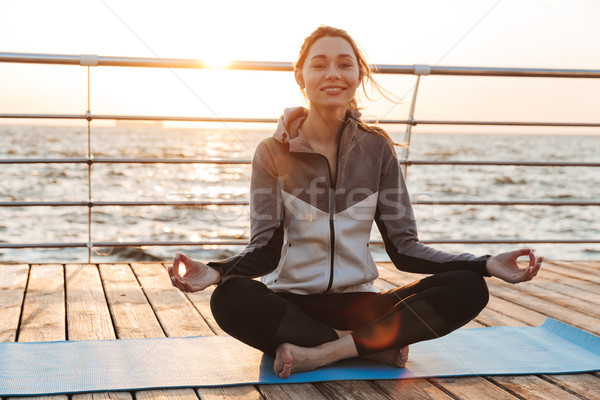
(488, 33)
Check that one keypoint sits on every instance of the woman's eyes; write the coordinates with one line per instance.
(322, 66)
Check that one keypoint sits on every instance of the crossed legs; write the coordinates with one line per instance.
(304, 332)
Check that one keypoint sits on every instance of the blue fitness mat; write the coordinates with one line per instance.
(133, 364)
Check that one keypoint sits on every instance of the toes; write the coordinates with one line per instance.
(286, 371)
(283, 362)
(402, 357)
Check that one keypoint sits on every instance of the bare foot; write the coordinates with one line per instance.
(396, 357)
(291, 358)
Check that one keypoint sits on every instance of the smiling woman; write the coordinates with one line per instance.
(317, 186)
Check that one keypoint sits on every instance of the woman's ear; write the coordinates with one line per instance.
(299, 79)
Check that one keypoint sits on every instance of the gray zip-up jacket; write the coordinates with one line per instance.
(311, 235)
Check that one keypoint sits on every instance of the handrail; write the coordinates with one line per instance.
(416, 69)
(241, 242)
(241, 161)
(90, 60)
(201, 203)
(414, 122)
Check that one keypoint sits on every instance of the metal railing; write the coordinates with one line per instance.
(417, 70)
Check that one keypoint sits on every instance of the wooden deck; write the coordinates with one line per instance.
(85, 301)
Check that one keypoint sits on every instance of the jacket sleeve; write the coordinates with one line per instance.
(396, 222)
(262, 253)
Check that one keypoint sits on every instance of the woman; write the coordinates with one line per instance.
(317, 186)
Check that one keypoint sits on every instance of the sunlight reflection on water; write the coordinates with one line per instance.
(203, 182)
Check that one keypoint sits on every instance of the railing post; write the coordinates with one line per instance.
(419, 70)
(89, 60)
(89, 157)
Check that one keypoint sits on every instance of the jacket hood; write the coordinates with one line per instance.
(290, 121)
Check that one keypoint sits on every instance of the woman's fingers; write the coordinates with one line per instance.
(173, 268)
(538, 265)
(533, 268)
(188, 287)
(176, 279)
(521, 252)
(178, 283)
(531, 258)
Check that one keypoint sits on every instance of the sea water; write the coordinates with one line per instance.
(204, 182)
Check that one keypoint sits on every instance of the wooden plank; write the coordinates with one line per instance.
(570, 269)
(88, 317)
(582, 384)
(351, 390)
(569, 281)
(473, 388)
(103, 396)
(230, 392)
(490, 317)
(133, 316)
(167, 394)
(578, 296)
(292, 391)
(13, 279)
(587, 266)
(43, 317)
(522, 314)
(201, 300)
(592, 265)
(532, 387)
(414, 389)
(570, 316)
(544, 291)
(178, 317)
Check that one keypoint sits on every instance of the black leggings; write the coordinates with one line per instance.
(432, 307)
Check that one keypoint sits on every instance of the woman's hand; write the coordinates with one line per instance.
(504, 266)
(197, 276)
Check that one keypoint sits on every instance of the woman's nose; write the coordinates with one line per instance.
(332, 74)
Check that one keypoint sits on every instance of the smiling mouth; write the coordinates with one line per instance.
(333, 89)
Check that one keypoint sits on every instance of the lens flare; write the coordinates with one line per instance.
(382, 335)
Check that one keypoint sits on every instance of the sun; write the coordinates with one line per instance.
(217, 61)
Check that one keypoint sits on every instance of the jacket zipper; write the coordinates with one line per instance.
(332, 186)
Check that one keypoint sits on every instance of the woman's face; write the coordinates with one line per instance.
(330, 73)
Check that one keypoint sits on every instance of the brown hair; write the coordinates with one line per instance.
(365, 73)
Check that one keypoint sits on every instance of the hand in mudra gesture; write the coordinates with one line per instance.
(505, 267)
(197, 276)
